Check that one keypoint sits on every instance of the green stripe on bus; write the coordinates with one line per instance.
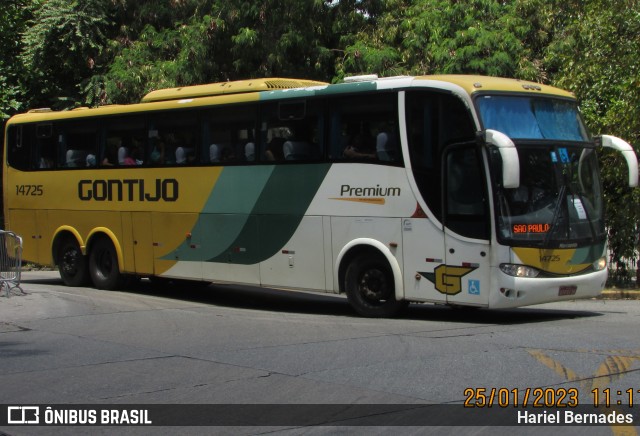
(277, 213)
(586, 255)
(225, 213)
(251, 213)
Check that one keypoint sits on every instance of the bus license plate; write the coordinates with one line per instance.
(567, 290)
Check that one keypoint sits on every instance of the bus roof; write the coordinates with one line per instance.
(236, 87)
(258, 89)
(473, 84)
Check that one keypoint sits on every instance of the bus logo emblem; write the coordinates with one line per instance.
(448, 279)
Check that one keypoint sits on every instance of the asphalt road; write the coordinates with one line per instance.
(236, 345)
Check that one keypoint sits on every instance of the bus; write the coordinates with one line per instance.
(449, 189)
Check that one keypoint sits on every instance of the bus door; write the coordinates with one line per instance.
(465, 276)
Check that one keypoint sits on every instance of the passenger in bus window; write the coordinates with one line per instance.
(91, 160)
(123, 151)
(386, 147)
(45, 163)
(158, 153)
(277, 137)
(215, 153)
(110, 157)
(184, 155)
(250, 152)
(130, 156)
(360, 147)
(274, 150)
(221, 153)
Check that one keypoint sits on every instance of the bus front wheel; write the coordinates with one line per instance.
(72, 264)
(103, 266)
(370, 287)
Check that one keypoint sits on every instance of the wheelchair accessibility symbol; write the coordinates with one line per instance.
(474, 287)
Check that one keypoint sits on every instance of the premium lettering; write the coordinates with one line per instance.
(377, 191)
(128, 190)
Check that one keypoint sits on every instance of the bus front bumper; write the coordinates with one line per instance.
(511, 291)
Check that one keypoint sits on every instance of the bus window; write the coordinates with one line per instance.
(19, 146)
(466, 208)
(174, 138)
(230, 135)
(78, 144)
(291, 131)
(434, 120)
(45, 146)
(366, 128)
(125, 142)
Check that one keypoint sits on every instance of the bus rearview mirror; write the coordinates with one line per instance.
(627, 152)
(509, 155)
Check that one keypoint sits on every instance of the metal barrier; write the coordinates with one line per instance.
(10, 262)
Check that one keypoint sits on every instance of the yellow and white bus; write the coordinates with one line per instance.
(462, 190)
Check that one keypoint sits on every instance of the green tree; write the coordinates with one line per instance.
(595, 54)
(13, 18)
(218, 41)
(60, 48)
(439, 36)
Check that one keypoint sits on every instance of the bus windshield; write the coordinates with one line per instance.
(558, 202)
(524, 117)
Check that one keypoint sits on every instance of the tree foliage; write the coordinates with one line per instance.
(222, 41)
(64, 53)
(475, 37)
(13, 17)
(596, 56)
(60, 46)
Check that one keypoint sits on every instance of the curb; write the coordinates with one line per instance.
(619, 294)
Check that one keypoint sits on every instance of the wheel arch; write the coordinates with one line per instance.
(60, 235)
(103, 232)
(64, 232)
(361, 246)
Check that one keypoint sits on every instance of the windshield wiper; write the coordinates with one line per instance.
(556, 215)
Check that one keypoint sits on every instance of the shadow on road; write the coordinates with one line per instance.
(276, 300)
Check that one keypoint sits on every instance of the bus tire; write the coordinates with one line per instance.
(370, 287)
(72, 264)
(103, 266)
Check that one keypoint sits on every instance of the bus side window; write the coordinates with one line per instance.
(124, 143)
(466, 210)
(291, 131)
(79, 143)
(365, 129)
(45, 146)
(20, 146)
(174, 139)
(229, 135)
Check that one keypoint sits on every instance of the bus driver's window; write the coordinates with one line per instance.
(465, 193)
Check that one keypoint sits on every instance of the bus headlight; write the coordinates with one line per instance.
(519, 270)
(600, 264)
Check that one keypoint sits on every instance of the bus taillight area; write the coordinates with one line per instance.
(510, 291)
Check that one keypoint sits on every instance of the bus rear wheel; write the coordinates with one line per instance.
(370, 287)
(103, 266)
(72, 264)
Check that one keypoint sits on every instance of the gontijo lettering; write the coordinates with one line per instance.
(128, 190)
